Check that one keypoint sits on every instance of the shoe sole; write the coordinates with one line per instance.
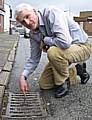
(86, 80)
(60, 96)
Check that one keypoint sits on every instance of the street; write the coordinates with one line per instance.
(77, 105)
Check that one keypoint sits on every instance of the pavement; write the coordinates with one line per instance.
(8, 46)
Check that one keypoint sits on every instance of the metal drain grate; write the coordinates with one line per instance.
(25, 106)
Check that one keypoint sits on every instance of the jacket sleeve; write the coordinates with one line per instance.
(34, 59)
(59, 27)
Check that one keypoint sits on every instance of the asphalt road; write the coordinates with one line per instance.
(77, 105)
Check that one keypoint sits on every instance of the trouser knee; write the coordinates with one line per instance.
(52, 53)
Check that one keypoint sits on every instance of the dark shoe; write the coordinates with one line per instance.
(84, 78)
(82, 72)
(62, 90)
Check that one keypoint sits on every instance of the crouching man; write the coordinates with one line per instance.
(52, 31)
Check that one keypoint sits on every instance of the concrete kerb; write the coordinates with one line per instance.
(6, 70)
(2, 88)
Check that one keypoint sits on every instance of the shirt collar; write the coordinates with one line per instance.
(40, 19)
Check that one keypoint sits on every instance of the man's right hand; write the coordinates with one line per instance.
(23, 84)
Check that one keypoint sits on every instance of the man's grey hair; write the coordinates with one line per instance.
(21, 7)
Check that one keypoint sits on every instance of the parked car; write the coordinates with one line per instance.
(20, 29)
(26, 32)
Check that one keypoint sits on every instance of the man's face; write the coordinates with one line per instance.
(28, 18)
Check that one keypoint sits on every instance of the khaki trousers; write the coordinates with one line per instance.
(57, 71)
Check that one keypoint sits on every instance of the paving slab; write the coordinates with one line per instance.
(4, 76)
(6, 44)
(8, 66)
(4, 49)
(3, 58)
(7, 37)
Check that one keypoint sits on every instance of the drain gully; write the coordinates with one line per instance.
(24, 107)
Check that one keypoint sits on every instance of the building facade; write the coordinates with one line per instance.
(2, 15)
(85, 20)
(6, 18)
